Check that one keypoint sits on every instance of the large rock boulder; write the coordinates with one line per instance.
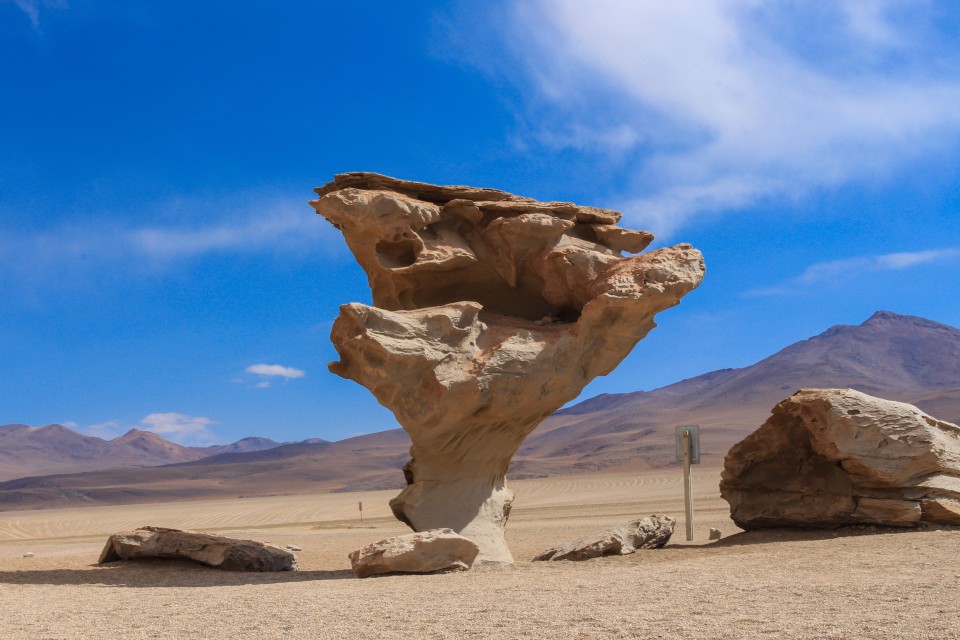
(212, 550)
(651, 532)
(490, 311)
(829, 457)
(435, 551)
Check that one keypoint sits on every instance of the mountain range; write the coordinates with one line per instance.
(55, 449)
(889, 355)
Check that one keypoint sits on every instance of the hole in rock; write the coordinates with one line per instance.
(394, 254)
(524, 303)
(584, 232)
(430, 231)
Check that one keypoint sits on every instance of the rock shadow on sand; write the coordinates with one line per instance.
(777, 535)
(141, 574)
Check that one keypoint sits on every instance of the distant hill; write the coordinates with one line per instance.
(245, 444)
(55, 449)
(889, 355)
(368, 461)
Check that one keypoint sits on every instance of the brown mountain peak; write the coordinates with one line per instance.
(135, 433)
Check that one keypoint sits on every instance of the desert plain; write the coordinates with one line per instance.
(856, 582)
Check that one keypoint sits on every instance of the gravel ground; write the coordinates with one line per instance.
(858, 582)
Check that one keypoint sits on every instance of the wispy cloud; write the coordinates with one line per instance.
(106, 430)
(726, 102)
(177, 427)
(180, 427)
(266, 371)
(841, 271)
(31, 8)
(275, 370)
(280, 226)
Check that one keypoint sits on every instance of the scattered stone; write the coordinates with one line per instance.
(831, 457)
(435, 551)
(651, 532)
(215, 551)
(28, 554)
(715, 533)
(293, 547)
(490, 311)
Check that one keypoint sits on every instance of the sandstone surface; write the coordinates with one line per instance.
(650, 532)
(829, 457)
(215, 551)
(490, 311)
(434, 551)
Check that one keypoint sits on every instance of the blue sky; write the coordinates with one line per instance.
(160, 268)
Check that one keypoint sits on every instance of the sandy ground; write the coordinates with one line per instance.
(853, 583)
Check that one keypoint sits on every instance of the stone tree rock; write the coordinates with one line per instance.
(434, 551)
(212, 550)
(829, 457)
(490, 311)
(651, 532)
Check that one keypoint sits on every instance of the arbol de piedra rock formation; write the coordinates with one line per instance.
(490, 311)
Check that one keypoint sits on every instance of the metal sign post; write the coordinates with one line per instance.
(688, 452)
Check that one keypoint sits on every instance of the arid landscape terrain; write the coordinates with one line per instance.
(883, 583)
(597, 464)
(608, 434)
(407, 320)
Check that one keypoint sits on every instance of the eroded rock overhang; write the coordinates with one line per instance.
(490, 311)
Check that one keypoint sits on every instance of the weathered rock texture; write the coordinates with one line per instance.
(829, 457)
(490, 311)
(437, 550)
(214, 551)
(651, 532)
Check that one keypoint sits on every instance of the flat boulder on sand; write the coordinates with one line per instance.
(831, 457)
(651, 532)
(434, 551)
(215, 551)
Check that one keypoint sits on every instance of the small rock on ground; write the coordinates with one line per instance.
(650, 532)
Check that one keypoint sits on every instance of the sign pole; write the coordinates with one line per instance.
(360, 505)
(687, 484)
(688, 452)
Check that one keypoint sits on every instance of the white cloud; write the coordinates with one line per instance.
(180, 427)
(275, 370)
(31, 8)
(730, 101)
(285, 227)
(106, 430)
(177, 427)
(276, 229)
(868, 20)
(835, 271)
